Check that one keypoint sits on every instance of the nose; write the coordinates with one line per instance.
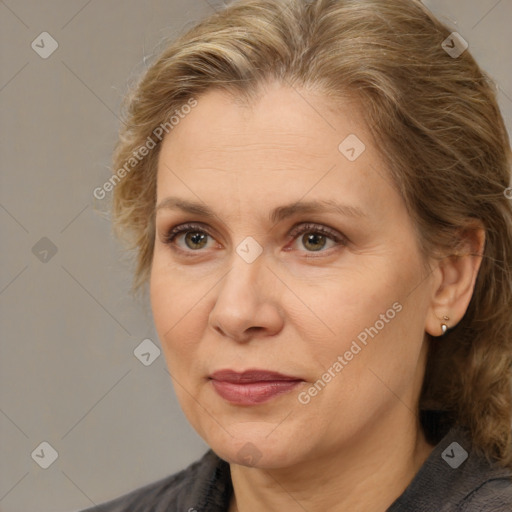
(247, 303)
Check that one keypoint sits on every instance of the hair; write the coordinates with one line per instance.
(437, 126)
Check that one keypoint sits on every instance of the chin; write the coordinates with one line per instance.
(256, 446)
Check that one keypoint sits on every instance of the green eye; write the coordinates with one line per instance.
(314, 241)
(196, 239)
(316, 237)
(188, 238)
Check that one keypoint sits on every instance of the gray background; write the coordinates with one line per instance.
(68, 374)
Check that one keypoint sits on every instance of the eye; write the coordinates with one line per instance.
(192, 238)
(316, 238)
(187, 237)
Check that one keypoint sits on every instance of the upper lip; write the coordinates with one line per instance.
(255, 375)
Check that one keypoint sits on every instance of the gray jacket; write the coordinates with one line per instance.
(453, 479)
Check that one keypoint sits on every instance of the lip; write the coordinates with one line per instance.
(252, 387)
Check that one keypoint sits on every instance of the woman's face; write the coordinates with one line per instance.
(296, 256)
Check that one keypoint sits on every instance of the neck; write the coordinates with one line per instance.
(369, 473)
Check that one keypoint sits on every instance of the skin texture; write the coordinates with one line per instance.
(356, 444)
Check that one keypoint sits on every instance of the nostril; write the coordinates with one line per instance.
(254, 329)
(220, 330)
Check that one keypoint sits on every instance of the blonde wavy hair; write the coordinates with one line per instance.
(438, 128)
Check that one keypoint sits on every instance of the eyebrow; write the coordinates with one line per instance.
(277, 215)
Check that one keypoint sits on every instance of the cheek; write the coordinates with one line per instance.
(344, 307)
(369, 317)
(177, 315)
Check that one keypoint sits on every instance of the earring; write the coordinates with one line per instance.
(444, 327)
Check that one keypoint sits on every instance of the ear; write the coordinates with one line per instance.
(454, 281)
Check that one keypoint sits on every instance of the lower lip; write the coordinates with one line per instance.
(252, 393)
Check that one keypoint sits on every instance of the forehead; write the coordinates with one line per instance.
(288, 144)
(282, 121)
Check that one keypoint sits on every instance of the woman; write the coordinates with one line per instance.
(317, 192)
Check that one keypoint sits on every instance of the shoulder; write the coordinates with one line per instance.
(456, 478)
(184, 490)
(495, 495)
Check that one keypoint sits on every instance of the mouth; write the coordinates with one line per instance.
(252, 387)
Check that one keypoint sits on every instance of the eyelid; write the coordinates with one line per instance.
(170, 234)
(304, 227)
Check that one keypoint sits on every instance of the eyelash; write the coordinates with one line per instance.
(296, 231)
